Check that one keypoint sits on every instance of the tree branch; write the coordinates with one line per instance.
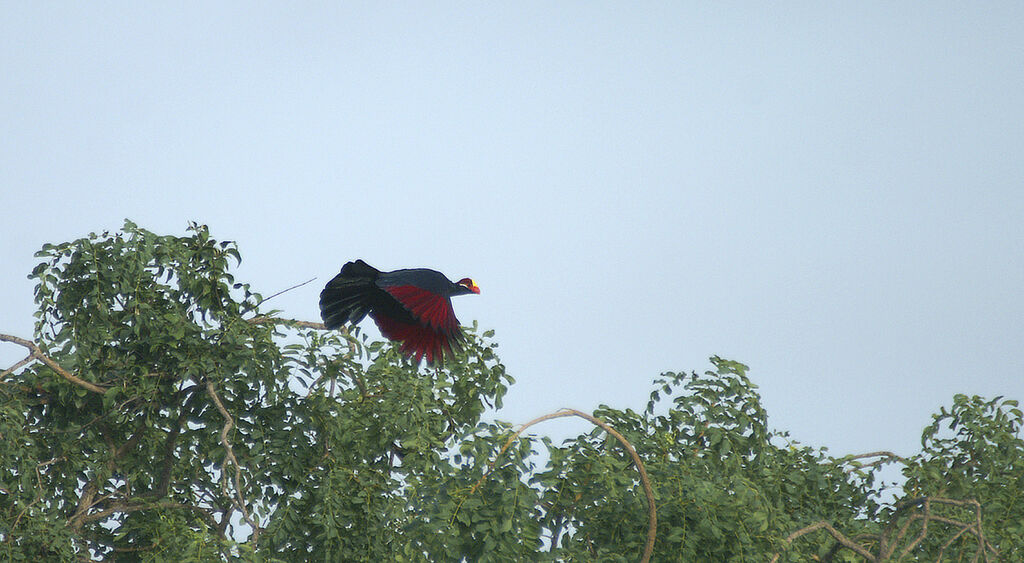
(85, 502)
(229, 455)
(124, 506)
(36, 353)
(263, 319)
(163, 486)
(918, 539)
(883, 457)
(88, 498)
(887, 544)
(652, 513)
(839, 537)
(16, 366)
(296, 286)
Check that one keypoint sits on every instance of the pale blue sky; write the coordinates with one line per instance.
(831, 193)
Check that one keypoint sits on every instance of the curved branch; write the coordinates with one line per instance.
(36, 353)
(229, 455)
(652, 513)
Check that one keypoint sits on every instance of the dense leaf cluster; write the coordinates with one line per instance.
(334, 448)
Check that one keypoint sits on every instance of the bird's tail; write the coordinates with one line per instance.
(346, 298)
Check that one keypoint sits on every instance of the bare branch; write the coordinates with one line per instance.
(922, 508)
(17, 366)
(296, 286)
(36, 353)
(883, 457)
(229, 455)
(652, 513)
(839, 537)
(263, 319)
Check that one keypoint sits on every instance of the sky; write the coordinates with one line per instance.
(830, 193)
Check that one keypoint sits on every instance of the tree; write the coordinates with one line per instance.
(164, 413)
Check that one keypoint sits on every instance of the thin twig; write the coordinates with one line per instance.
(36, 353)
(652, 513)
(287, 290)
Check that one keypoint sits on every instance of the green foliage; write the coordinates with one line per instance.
(337, 449)
(330, 432)
(724, 491)
(975, 451)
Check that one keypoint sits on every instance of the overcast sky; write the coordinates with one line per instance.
(831, 193)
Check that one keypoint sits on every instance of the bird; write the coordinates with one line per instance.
(412, 307)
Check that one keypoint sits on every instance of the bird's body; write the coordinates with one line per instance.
(411, 306)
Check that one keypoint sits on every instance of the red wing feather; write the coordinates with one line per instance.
(428, 307)
(417, 341)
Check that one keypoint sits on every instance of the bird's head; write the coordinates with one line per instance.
(469, 285)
